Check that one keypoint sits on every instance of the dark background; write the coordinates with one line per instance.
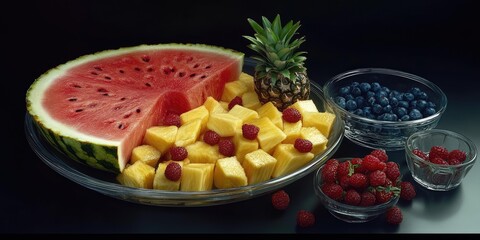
(437, 40)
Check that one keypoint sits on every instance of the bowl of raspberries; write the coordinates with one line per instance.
(357, 190)
(439, 159)
(382, 107)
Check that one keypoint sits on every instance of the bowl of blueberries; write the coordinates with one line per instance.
(382, 107)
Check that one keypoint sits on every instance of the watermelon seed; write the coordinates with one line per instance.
(98, 68)
(196, 65)
(137, 69)
(172, 69)
(192, 75)
(106, 94)
(72, 99)
(94, 73)
(148, 84)
(127, 115)
(146, 58)
(208, 66)
(166, 71)
(121, 71)
(79, 110)
(121, 126)
(123, 99)
(138, 110)
(203, 76)
(181, 74)
(77, 86)
(108, 78)
(149, 69)
(102, 90)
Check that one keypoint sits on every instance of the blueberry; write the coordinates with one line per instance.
(365, 87)
(351, 105)
(356, 91)
(367, 110)
(360, 101)
(405, 118)
(376, 86)
(369, 94)
(344, 91)
(408, 96)
(369, 115)
(400, 96)
(393, 101)
(386, 89)
(371, 101)
(403, 104)
(422, 95)
(415, 91)
(413, 104)
(431, 105)
(387, 109)
(421, 104)
(429, 111)
(415, 114)
(377, 108)
(349, 97)
(383, 101)
(380, 94)
(359, 112)
(401, 111)
(340, 101)
(354, 84)
(393, 94)
(386, 117)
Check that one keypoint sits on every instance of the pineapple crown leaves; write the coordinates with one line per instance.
(277, 48)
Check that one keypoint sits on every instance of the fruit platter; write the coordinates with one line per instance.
(184, 124)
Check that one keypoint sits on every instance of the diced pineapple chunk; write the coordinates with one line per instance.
(233, 89)
(161, 137)
(248, 80)
(292, 130)
(243, 146)
(269, 135)
(224, 105)
(138, 175)
(201, 152)
(250, 100)
(229, 173)
(323, 121)
(269, 110)
(197, 177)
(188, 133)
(243, 113)
(146, 153)
(289, 159)
(198, 112)
(258, 166)
(305, 106)
(224, 124)
(163, 183)
(319, 141)
(213, 106)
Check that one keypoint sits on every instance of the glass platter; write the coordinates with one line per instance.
(105, 183)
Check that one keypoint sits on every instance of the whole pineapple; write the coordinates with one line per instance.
(280, 75)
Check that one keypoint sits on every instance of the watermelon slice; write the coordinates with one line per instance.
(96, 108)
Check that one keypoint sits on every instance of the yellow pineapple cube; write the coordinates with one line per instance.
(198, 112)
(229, 173)
(188, 133)
(224, 124)
(269, 135)
(248, 81)
(243, 146)
(258, 166)
(312, 134)
(201, 152)
(146, 153)
(292, 130)
(250, 100)
(289, 159)
(161, 137)
(213, 106)
(138, 175)
(163, 183)
(323, 121)
(243, 113)
(197, 177)
(224, 105)
(232, 90)
(269, 110)
(305, 106)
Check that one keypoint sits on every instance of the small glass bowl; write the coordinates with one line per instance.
(345, 212)
(434, 176)
(388, 135)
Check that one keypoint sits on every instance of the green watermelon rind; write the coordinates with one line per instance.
(92, 151)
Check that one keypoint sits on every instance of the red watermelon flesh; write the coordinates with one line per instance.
(117, 97)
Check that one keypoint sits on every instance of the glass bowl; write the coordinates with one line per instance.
(435, 176)
(105, 183)
(346, 212)
(374, 133)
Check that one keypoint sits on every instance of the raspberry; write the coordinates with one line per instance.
(357, 165)
(392, 171)
(382, 196)
(407, 191)
(303, 145)
(172, 119)
(380, 154)
(344, 181)
(305, 219)
(439, 161)
(332, 161)
(280, 200)
(236, 100)
(454, 161)
(173, 171)
(250, 131)
(358, 181)
(178, 153)
(377, 178)
(291, 115)
(226, 147)
(352, 197)
(438, 152)
(394, 215)
(332, 190)
(368, 199)
(211, 137)
(388, 182)
(372, 163)
(420, 154)
(457, 154)
(343, 169)
(329, 173)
